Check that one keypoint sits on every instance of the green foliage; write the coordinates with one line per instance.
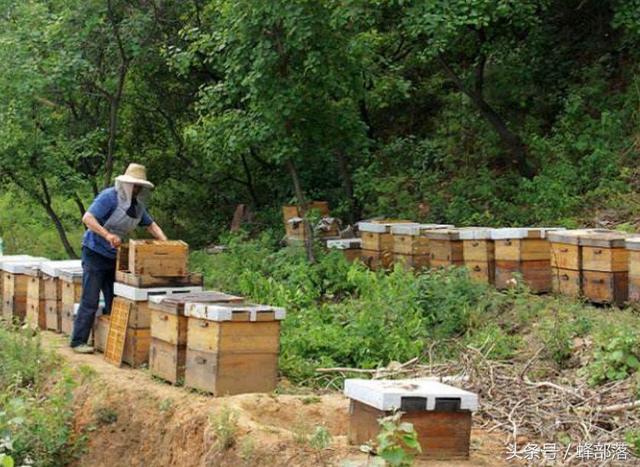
(397, 443)
(616, 356)
(495, 343)
(36, 415)
(225, 427)
(632, 438)
(558, 331)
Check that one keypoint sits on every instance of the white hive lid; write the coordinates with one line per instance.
(388, 394)
(53, 268)
(416, 230)
(382, 226)
(474, 233)
(522, 232)
(633, 243)
(22, 266)
(225, 311)
(344, 243)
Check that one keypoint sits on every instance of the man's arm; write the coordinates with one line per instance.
(92, 224)
(155, 230)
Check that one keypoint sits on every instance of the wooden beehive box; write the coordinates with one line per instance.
(445, 248)
(479, 254)
(293, 216)
(52, 291)
(605, 267)
(7, 259)
(349, 247)
(36, 317)
(138, 333)
(15, 287)
(411, 246)
(523, 251)
(440, 414)
(232, 348)
(158, 258)
(70, 293)
(566, 260)
(377, 242)
(100, 332)
(633, 248)
(169, 327)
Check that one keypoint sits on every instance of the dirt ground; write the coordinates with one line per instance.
(130, 418)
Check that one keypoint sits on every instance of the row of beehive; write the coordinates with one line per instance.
(601, 265)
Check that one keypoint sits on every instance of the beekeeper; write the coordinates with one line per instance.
(114, 214)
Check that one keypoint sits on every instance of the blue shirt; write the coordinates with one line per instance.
(102, 208)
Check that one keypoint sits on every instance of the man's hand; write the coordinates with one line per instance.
(113, 240)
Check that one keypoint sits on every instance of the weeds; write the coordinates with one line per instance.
(225, 427)
(105, 416)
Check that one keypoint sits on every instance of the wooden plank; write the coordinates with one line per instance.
(377, 241)
(605, 259)
(114, 350)
(15, 296)
(158, 258)
(566, 256)
(634, 287)
(101, 332)
(606, 287)
(442, 435)
(122, 257)
(136, 347)
(167, 361)
(478, 250)
(126, 277)
(527, 249)
(52, 288)
(169, 327)
(53, 310)
(536, 274)
(566, 282)
(481, 271)
(234, 336)
(229, 373)
(66, 318)
(446, 252)
(634, 262)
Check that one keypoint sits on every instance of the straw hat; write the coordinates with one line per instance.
(136, 174)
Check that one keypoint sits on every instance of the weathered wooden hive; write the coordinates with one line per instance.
(479, 254)
(440, 414)
(445, 247)
(145, 269)
(523, 251)
(350, 247)
(411, 246)
(566, 260)
(293, 221)
(36, 315)
(52, 291)
(633, 248)
(70, 293)
(15, 287)
(232, 348)
(169, 331)
(605, 267)
(377, 241)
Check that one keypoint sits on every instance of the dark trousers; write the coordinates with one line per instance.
(98, 274)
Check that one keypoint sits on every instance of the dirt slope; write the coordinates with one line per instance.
(129, 418)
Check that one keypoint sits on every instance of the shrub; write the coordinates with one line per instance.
(617, 355)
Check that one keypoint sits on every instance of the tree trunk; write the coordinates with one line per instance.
(347, 185)
(79, 203)
(61, 231)
(250, 187)
(510, 140)
(302, 205)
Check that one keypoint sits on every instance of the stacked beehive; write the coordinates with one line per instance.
(232, 348)
(377, 242)
(479, 254)
(36, 316)
(294, 225)
(350, 247)
(566, 260)
(169, 331)
(605, 267)
(445, 247)
(50, 289)
(523, 251)
(15, 285)
(146, 268)
(411, 245)
(70, 279)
